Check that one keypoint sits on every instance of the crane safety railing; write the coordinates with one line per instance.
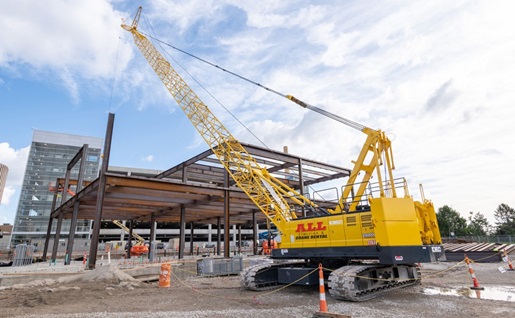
(328, 196)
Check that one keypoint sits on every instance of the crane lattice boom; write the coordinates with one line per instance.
(273, 198)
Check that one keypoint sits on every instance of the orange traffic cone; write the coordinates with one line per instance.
(323, 303)
(471, 271)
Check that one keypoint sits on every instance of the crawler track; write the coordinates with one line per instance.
(263, 276)
(362, 282)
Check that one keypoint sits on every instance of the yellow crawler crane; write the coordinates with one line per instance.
(368, 244)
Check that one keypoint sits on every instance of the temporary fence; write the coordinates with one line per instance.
(220, 266)
(23, 255)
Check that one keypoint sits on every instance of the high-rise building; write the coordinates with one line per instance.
(48, 158)
(3, 178)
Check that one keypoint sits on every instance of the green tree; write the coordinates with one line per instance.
(505, 217)
(449, 220)
(478, 224)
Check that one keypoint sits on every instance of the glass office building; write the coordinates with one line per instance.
(49, 156)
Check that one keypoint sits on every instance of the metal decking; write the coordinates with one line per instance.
(478, 252)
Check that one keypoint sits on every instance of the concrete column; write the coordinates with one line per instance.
(301, 184)
(122, 231)
(234, 234)
(219, 235)
(239, 239)
(191, 238)
(152, 245)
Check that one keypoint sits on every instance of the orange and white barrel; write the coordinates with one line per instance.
(164, 275)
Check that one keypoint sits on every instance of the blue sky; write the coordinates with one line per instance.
(437, 76)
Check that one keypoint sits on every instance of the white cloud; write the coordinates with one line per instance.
(70, 41)
(148, 158)
(386, 66)
(15, 160)
(435, 75)
(7, 195)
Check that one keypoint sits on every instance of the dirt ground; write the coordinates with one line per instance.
(109, 292)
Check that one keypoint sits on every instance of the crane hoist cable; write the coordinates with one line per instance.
(374, 136)
(198, 82)
(345, 121)
(369, 159)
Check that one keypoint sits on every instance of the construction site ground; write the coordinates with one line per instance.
(43, 290)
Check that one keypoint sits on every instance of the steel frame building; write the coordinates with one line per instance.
(196, 191)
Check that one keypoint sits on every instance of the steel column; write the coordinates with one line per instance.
(82, 154)
(182, 234)
(56, 236)
(100, 193)
(129, 239)
(301, 184)
(60, 217)
(227, 218)
(255, 234)
(49, 229)
(218, 235)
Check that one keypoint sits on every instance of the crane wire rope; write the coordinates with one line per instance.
(321, 111)
(316, 109)
(198, 83)
(114, 74)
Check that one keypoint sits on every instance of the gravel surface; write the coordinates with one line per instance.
(110, 292)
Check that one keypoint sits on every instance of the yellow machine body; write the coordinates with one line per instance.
(390, 222)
